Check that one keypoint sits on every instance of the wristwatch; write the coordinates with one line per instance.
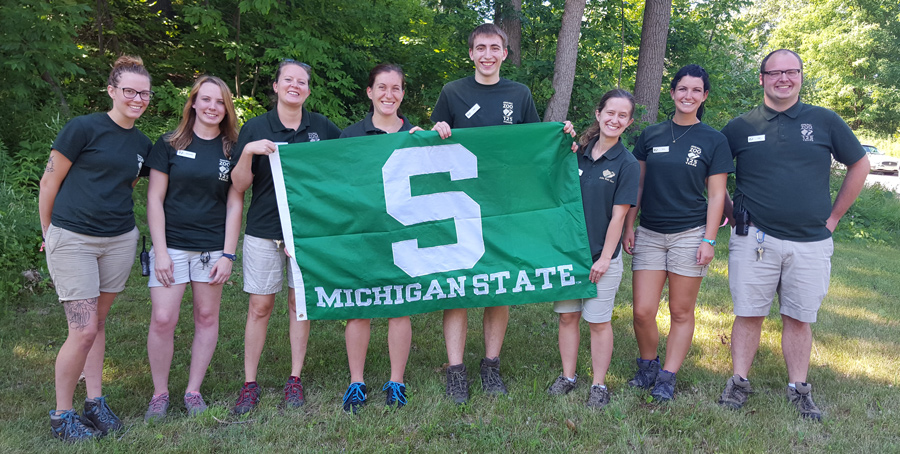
(711, 242)
(231, 257)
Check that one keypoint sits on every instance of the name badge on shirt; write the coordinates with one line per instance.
(661, 149)
(472, 111)
(759, 138)
(186, 154)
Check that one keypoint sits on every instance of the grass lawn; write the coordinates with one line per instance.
(854, 370)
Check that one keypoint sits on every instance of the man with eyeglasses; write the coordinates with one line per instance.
(784, 220)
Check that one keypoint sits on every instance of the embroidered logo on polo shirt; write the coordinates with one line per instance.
(224, 167)
(608, 175)
(806, 132)
(314, 137)
(140, 164)
(693, 154)
(507, 112)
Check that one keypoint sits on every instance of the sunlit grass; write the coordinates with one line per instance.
(854, 369)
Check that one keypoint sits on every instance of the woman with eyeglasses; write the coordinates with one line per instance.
(194, 214)
(684, 167)
(264, 258)
(385, 89)
(87, 219)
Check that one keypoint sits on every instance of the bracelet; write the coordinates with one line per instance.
(711, 242)
(231, 257)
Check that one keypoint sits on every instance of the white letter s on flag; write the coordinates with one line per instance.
(409, 210)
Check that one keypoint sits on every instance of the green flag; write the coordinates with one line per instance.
(399, 224)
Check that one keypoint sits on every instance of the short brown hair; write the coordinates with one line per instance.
(489, 30)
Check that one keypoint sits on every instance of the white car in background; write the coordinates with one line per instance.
(880, 162)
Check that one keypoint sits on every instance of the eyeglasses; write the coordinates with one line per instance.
(776, 74)
(130, 93)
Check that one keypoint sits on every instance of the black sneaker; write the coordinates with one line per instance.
(801, 397)
(562, 386)
(98, 413)
(293, 393)
(69, 427)
(355, 397)
(248, 399)
(458, 383)
(664, 388)
(646, 373)
(737, 390)
(491, 383)
(396, 394)
(598, 397)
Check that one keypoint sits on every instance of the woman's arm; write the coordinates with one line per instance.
(716, 194)
(233, 214)
(156, 222)
(613, 235)
(57, 168)
(242, 174)
(628, 235)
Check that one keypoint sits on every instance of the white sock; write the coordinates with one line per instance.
(791, 385)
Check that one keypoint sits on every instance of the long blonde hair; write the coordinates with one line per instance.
(184, 133)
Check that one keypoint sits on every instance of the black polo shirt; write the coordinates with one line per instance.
(197, 196)
(783, 166)
(262, 216)
(673, 199)
(365, 127)
(611, 180)
(95, 197)
(465, 103)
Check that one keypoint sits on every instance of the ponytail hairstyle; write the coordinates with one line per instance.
(693, 71)
(126, 64)
(594, 131)
(181, 138)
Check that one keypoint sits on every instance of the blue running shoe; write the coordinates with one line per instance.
(396, 394)
(355, 397)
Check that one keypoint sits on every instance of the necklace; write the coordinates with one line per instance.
(672, 128)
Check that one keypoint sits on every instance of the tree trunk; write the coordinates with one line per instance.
(651, 58)
(63, 105)
(237, 56)
(508, 16)
(566, 57)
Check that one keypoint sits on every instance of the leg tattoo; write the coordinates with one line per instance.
(79, 312)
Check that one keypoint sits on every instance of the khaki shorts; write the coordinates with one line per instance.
(190, 266)
(672, 252)
(83, 266)
(598, 309)
(264, 266)
(798, 271)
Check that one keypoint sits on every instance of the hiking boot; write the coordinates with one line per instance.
(491, 383)
(248, 399)
(157, 407)
(69, 427)
(801, 397)
(355, 397)
(458, 383)
(646, 373)
(98, 413)
(664, 388)
(194, 404)
(396, 394)
(736, 392)
(598, 397)
(293, 393)
(562, 386)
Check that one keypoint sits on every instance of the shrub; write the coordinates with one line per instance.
(20, 239)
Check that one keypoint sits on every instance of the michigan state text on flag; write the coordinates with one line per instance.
(399, 224)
